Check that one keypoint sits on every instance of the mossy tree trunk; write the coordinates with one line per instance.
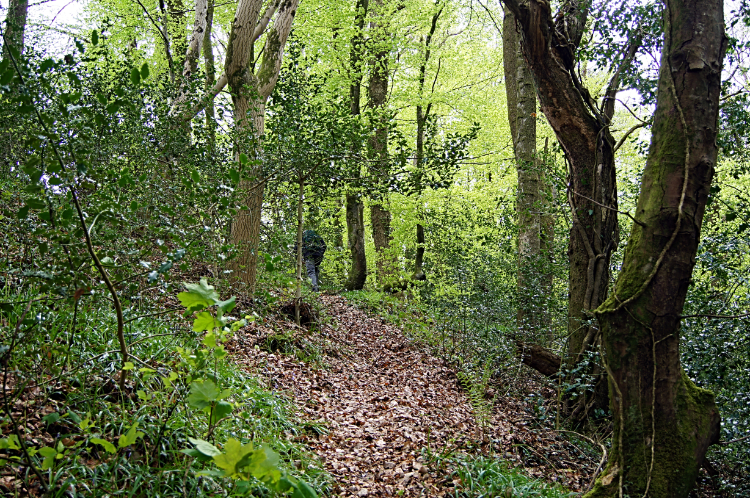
(354, 205)
(377, 94)
(15, 25)
(521, 100)
(663, 423)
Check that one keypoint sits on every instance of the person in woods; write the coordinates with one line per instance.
(313, 249)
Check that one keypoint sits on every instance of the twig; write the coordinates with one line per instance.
(610, 208)
(724, 443)
(744, 315)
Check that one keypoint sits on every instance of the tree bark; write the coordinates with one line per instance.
(250, 91)
(582, 129)
(192, 56)
(663, 423)
(522, 99)
(210, 66)
(15, 25)
(377, 93)
(355, 224)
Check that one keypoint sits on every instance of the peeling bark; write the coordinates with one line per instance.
(663, 423)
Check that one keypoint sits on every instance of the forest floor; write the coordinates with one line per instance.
(387, 407)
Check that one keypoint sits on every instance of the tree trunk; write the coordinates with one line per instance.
(522, 99)
(15, 25)
(663, 423)
(210, 66)
(355, 224)
(250, 91)
(423, 114)
(176, 29)
(377, 93)
(548, 46)
(356, 228)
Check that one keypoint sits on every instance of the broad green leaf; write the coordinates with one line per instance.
(135, 76)
(51, 418)
(228, 305)
(198, 296)
(108, 447)
(303, 490)
(129, 365)
(263, 464)
(210, 339)
(144, 71)
(10, 443)
(234, 453)
(95, 38)
(101, 98)
(221, 410)
(204, 321)
(129, 437)
(204, 447)
(202, 394)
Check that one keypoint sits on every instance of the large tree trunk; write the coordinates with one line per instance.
(355, 224)
(663, 423)
(548, 46)
(15, 25)
(377, 93)
(522, 99)
(250, 91)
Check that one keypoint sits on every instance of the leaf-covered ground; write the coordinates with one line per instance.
(383, 400)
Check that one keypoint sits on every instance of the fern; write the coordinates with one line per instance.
(476, 386)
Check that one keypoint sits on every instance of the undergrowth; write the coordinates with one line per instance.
(85, 437)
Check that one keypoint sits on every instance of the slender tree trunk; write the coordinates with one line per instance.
(15, 25)
(423, 114)
(663, 423)
(300, 220)
(355, 224)
(377, 93)
(522, 99)
(210, 66)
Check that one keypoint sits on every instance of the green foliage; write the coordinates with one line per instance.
(487, 476)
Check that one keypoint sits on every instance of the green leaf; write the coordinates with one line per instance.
(95, 38)
(10, 443)
(44, 67)
(7, 77)
(51, 418)
(128, 365)
(209, 340)
(234, 454)
(4, 64)
(196, 454)
(221, 410)
(204, 321)
(114, 107)
(73, 416)
(731, 216)
(204, 447)
(198, 296)
(49, 455)
(135, 76)
(108, 447)
(303, 490)
(234, 175)
(243, 158)
(228, 305)
(23, 212)
(195, 176)
(263, 464)
(101, 98)
(144, 71)
(129, 437)
(202, 394)
(36, 204)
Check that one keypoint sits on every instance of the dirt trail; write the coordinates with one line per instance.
(382, 400)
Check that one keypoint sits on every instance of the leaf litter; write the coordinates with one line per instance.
(385, 404)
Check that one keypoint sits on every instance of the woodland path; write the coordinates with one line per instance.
(383, 400)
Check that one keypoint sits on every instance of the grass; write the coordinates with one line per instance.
(479, 476)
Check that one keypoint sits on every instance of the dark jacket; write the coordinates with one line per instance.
(313, 246)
